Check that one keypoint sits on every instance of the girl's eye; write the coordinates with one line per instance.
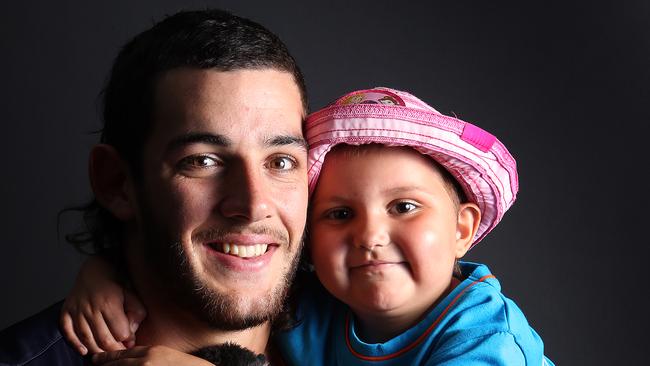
(282, 163)
(339, 214)
(403, 207)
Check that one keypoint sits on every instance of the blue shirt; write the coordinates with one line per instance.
(37, 341)
(475, 324)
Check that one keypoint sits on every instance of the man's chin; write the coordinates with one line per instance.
(231, 312)
(240, 303)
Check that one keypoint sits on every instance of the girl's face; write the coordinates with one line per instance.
(384, 231)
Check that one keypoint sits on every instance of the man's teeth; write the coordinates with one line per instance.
(245, 251)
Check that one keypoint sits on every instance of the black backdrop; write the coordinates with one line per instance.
(563, 85)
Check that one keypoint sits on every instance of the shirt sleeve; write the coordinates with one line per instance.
(494, 350)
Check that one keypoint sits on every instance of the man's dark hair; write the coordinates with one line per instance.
(230, 354)
(207, 39)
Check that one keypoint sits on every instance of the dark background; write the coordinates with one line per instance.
(563, 85)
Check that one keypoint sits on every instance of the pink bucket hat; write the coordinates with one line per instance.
(481, 164)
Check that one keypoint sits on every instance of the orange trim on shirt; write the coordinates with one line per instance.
(419, 340)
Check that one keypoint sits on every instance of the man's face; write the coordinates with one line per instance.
(223, 196)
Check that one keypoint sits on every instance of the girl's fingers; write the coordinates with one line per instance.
(69, 333)
(134, 309)
(85, 334)
(102, 334)
(117, 322)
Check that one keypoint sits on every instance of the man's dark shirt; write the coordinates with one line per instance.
(37, 341)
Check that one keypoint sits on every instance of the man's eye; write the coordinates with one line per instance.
(282, 163)
(199, 161)
(339, 214)
(403, 207)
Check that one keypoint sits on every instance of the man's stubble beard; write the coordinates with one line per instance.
(222, 311)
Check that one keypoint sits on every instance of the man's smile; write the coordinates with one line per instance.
(243, 252)
(240, 250)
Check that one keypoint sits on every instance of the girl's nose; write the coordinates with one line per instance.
(371, 232)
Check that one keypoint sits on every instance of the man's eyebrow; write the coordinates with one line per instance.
(284, 140)
(198, 138)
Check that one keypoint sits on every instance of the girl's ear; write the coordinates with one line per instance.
(469, 218)
(111, 182)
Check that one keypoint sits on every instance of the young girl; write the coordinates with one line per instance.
(399, 193)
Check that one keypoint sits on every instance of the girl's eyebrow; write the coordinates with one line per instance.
(332, 199)
(403, 189)
(389, 191)
(328, 202)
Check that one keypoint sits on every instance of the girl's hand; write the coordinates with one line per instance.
(154, 355)
(99, 314)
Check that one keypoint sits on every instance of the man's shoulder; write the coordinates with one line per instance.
(37, 341)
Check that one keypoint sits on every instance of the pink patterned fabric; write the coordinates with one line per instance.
(478, 160)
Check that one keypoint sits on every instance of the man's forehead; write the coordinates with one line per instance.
(267, 87)
(260, 107)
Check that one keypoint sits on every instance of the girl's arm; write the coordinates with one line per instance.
(100, 314)
(154, 355)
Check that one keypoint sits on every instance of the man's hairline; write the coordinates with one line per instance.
(303, 93)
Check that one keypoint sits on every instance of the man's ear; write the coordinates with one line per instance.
(111, 182)
(469, 218)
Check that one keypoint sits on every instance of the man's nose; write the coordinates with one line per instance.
(246, 195)
(371, 231)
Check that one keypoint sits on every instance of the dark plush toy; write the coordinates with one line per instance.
(230, 354)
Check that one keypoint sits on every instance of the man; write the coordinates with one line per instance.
(200, 188)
